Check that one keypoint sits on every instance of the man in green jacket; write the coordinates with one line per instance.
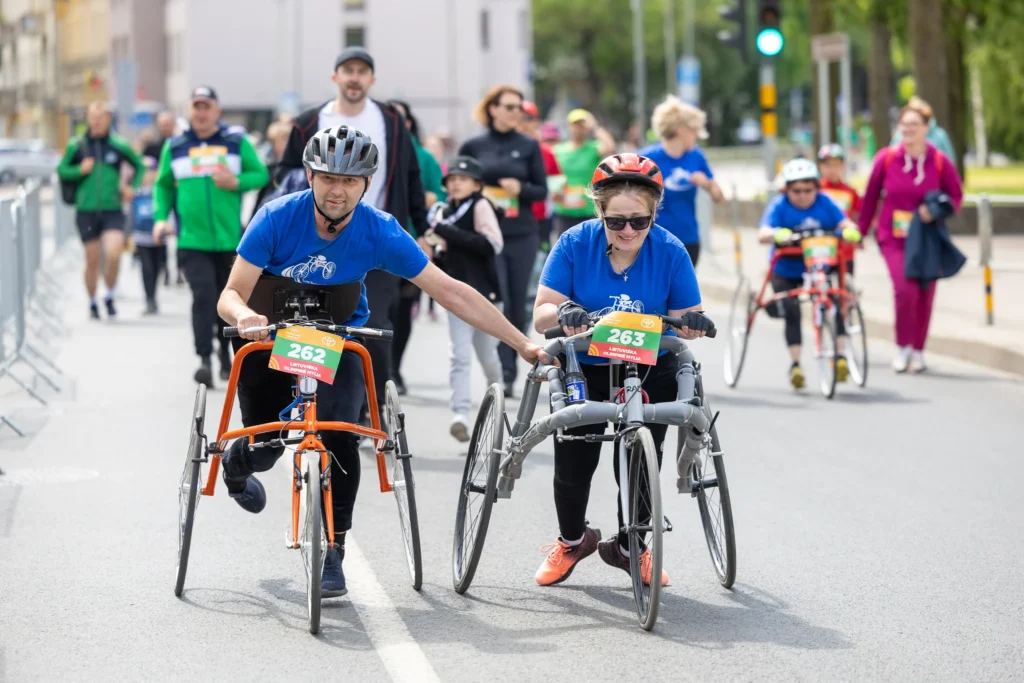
(93, 161)
(203, 173)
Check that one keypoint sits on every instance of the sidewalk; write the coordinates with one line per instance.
(958, 327)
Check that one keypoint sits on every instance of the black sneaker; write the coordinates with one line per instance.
(94, 311)
(151, 308)
(111, 311)
(204, 375)
(332, 580)
(509, 389)
(400, 384)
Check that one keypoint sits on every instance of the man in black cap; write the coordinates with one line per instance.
(396, 187)
(202, 175)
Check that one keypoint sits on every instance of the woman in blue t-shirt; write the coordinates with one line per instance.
(680, 125)
(802, 207)
(619, 261)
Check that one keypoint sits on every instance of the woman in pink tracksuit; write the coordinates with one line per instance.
(906, 173)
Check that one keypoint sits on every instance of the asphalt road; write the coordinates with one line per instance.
(879, 538)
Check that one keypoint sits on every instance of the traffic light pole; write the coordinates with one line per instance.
(769, 119)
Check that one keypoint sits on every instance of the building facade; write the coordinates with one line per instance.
(28, 70)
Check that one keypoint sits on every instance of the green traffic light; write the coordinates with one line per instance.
(770, 42)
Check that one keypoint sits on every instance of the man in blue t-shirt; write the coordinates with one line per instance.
(327, 236)
(801, 209)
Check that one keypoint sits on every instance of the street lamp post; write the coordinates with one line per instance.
(639, 65)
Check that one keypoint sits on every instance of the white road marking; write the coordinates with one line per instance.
(400, 654)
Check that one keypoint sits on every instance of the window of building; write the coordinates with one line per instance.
(353, 4)
(355, 35)
(485, 29)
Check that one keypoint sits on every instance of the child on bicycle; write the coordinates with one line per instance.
(466, 238)
(151, 255)
(832, 165)
(801, 207)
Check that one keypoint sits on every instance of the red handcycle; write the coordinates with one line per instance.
(311, 501)
(828, 290)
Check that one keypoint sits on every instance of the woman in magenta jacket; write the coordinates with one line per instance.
(906, 173)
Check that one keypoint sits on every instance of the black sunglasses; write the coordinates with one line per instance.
(510, 107)
(638, 223)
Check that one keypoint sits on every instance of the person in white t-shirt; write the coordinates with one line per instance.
(396, 187)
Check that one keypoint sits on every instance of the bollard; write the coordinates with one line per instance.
(985, 255)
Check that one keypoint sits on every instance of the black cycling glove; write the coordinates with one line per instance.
(571, 314)
(697, 321)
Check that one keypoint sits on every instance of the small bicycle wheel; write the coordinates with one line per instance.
(644, 526)
(740, 318)
(313, 542)
(856, 344)
(189, 488)
(710, 487)
(827, 351)
(479, 487)
(400, 473)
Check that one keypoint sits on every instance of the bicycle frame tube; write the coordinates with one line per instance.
(527, 433)
(840, 292)
(224, 436)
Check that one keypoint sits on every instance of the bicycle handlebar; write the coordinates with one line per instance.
(322, 327)
(556, 332)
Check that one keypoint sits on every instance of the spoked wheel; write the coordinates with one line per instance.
(479, 487)
(857, 344)
(189, 488)
(644, 527)
(740, 319)
(312, 540)
(827, 351)
(400, 474)
(710, 487)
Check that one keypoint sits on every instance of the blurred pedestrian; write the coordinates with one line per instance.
(466, 239)
(92, 164)
(543, 209)
(935, 135)
(150, 254)
(512, 169)
(901, 178)
(578, 157)
(679, 126)
(202, 174)
(277, 135)
(408, 293)
(396, 187)
(166, 124)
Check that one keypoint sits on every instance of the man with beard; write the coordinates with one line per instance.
(396, 187)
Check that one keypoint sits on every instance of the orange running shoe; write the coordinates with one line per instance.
(563, 558)
(612, 554)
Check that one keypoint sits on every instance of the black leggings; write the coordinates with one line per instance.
(576, 461)
(791, 309)
(153, 259)
(263, 393)
(693, 249)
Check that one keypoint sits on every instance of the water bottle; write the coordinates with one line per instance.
(575, 382)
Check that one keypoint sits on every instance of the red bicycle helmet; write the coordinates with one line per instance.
(621, 168)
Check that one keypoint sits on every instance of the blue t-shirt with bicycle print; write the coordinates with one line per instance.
(780, 213)
(678, 210)
(282, 239)
(661, 278)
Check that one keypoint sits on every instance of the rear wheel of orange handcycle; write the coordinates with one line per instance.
(400, 476)
(740, 319)
(826, 348)
(189, 488)
(312, 539)
(479, 487)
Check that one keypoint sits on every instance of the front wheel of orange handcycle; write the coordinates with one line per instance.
(189, 489)
(399, 468)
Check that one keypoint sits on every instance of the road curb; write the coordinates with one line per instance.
(973, 351)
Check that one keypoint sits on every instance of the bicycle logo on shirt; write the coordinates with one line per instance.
(623, 302)
(301, 271)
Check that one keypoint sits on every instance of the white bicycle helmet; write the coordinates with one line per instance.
(800, 169)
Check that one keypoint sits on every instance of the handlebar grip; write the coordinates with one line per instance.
(713, 332)
(230, 331)
(553, 332)
(387, 334)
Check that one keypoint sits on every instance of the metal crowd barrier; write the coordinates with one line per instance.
(32, 245)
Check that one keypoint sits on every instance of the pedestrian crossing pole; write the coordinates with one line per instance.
(769, 118)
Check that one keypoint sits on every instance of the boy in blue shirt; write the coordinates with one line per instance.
(150, 254)
(802, 208)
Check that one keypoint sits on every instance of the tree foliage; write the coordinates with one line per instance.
(584, 49)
